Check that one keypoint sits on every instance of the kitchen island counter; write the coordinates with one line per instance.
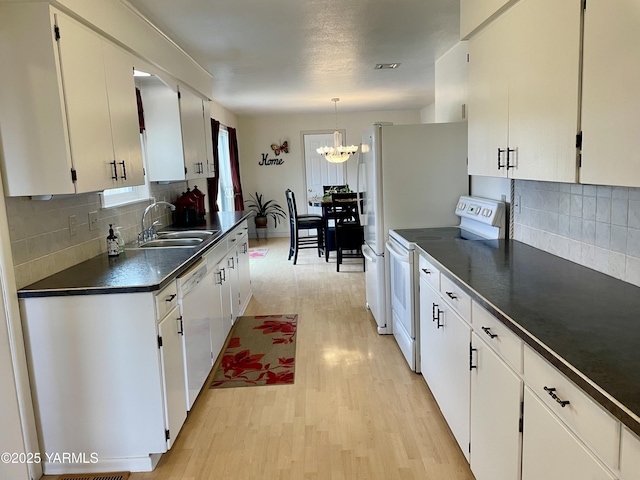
(583, 322)
(135, 270)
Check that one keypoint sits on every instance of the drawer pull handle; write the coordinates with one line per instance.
(551, 391)
(487, 330)
(451, 295)
(471, 350)
(181, 325)
(426, 271)
(438, 324)
(171, 297)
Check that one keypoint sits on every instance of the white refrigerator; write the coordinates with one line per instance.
(409, 176)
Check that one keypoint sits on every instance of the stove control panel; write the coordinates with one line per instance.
(483, 210)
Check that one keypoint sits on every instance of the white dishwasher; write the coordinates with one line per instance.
(195, 296)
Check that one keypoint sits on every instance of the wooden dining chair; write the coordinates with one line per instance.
(349, 234)
(303, 222)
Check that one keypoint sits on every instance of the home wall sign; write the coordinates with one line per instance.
(277, 149)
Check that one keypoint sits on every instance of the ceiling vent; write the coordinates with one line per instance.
(387, 66)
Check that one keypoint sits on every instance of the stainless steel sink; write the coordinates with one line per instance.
(202, 234)
(172, 242)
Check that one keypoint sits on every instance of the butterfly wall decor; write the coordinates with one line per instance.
(280, 148)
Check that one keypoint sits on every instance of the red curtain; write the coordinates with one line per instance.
(235, 169)
(214, 182)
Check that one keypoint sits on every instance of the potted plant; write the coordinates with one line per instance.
(264, 210)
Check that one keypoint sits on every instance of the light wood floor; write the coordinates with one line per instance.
(355, 411)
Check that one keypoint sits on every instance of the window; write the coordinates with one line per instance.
(121, 196)
(225, 189)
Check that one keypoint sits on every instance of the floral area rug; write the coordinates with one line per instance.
(258, 252)
(261, 351)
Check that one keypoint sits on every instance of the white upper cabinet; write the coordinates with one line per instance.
(523, 92)
(206, 114)
(179, 144)
(61, 83)
(123, 109)
(193, 135)
(610, 103)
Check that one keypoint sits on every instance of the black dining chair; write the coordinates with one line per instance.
(349, 234)
(305, 221)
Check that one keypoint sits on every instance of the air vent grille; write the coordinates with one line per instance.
(96, 476)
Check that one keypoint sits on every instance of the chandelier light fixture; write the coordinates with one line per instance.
(338, 153)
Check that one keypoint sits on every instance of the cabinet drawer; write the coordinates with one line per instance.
(456, 297)
(430, 273)
(166, 299)
(599, 430)
(498, 336)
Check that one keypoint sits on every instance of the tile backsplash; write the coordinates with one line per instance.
(41, 241)
(593, 225)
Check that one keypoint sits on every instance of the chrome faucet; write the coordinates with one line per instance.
(149, 233)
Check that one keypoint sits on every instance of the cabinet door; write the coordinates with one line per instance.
(496, 395)
(488, 101)
(550, 450)
(444, 342)
(33, 126)
(208, 139)
(430, 304)
(173, 378)
(454, 396)
(234, 287)
(244, 272)
(222, 324)
(163, 132)
(125, 130)
(218, 334)
(610, 104)
(544, 74)
(87, 104)
(193, 138)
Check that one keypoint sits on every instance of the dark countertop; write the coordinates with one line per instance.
(584, 322)
(135, 270)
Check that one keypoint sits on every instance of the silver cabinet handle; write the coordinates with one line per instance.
(451, 295)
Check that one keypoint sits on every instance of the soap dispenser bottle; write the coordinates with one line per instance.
(113, 250)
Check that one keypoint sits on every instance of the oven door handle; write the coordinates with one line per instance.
(365, 254)
(403, 256)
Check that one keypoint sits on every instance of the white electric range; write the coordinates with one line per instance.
(480, 219)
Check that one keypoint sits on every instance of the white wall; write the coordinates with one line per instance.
(257, 133)
(224, 116)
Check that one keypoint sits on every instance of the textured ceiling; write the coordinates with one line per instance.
(286, 56)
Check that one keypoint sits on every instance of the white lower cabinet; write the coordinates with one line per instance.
(171, 331)
(97, 379)
(551, 450)
(238, 263)
(514, 415)
(496, 398)
(108, 372)
(629, 455)
(445, 342)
